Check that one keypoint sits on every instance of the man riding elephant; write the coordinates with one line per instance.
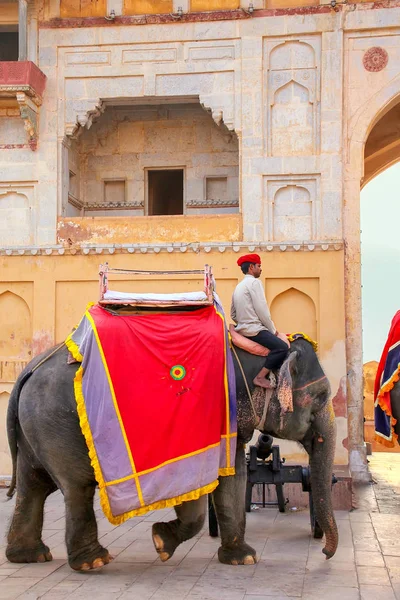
(252, 316)
(49, 452)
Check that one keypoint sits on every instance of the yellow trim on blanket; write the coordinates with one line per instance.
(291, 338)
(226, 471)
(387, 387)
(85, 427)
(171, 460)
(73, 348)
(87, 433)
(227, 407)
(128, 449)
(168, 503)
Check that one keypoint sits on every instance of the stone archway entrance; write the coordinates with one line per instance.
(373, 145)
(382, 148)
(379, 262)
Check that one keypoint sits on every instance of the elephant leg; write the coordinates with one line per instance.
(321, 449)
(167, 536)
(229, 501)
(24, 541)
(83, 547)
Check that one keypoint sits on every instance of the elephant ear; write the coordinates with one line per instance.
(285, 384)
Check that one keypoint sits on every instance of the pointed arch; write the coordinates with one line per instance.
(292, 120)
(15, 219)
(359, 126)
(293, 54)
(15, 327)
(293, 310)
(292, 91)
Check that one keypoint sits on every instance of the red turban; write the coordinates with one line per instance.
(251, 258)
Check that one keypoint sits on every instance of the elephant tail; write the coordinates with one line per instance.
(12, 427)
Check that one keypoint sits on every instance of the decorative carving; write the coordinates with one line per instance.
(375, 59)
(157, 248)
(29, 110)
(85, 119)
(293, 209)
(293, 90)
(219, 115)
(22, 76)
(75, 202)
(112, 205)
(211, 203)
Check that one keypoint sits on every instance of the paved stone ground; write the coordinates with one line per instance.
(366, 566)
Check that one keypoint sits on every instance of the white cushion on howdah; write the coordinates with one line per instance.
(177, 297)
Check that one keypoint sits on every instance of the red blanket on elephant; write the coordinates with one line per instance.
(386, 376)
(154, 406)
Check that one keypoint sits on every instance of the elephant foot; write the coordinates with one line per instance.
(39, 554)
(164, 540)
(237, 554)
(95, 560)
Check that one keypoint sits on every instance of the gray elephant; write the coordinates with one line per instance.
(49, 453)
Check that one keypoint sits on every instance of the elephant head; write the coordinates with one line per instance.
(301, 410)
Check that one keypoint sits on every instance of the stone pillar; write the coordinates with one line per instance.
(32, 33)
(23, 29)
(352, 270)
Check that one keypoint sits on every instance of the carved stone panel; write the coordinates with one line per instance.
(17, 210)
(292, 89)
(291, 208)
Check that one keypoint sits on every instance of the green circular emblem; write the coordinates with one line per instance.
(178, 372)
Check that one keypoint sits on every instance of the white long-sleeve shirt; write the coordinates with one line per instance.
(249, 308)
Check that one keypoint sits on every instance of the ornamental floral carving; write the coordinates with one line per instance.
(28, 110)
(375, 59)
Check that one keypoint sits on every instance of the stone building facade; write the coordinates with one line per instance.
(263, 118)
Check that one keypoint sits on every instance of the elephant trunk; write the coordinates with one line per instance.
(321, 465)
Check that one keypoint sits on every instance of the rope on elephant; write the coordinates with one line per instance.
(46, 358)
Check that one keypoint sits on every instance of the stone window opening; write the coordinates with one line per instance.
(9, 46)
(165, 192)
(142, 160)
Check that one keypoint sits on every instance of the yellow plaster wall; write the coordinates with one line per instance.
(83, 8)
(147, 7)
(206, 5)
(8, 13)
(51, 293)
(291, 3)
(156, 230)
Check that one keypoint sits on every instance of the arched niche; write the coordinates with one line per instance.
(292, 55)
(15, 219)
(292, 214)
(293, 311)
(15, 327)
(292, 120)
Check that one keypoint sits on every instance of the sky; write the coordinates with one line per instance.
(380, 256)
